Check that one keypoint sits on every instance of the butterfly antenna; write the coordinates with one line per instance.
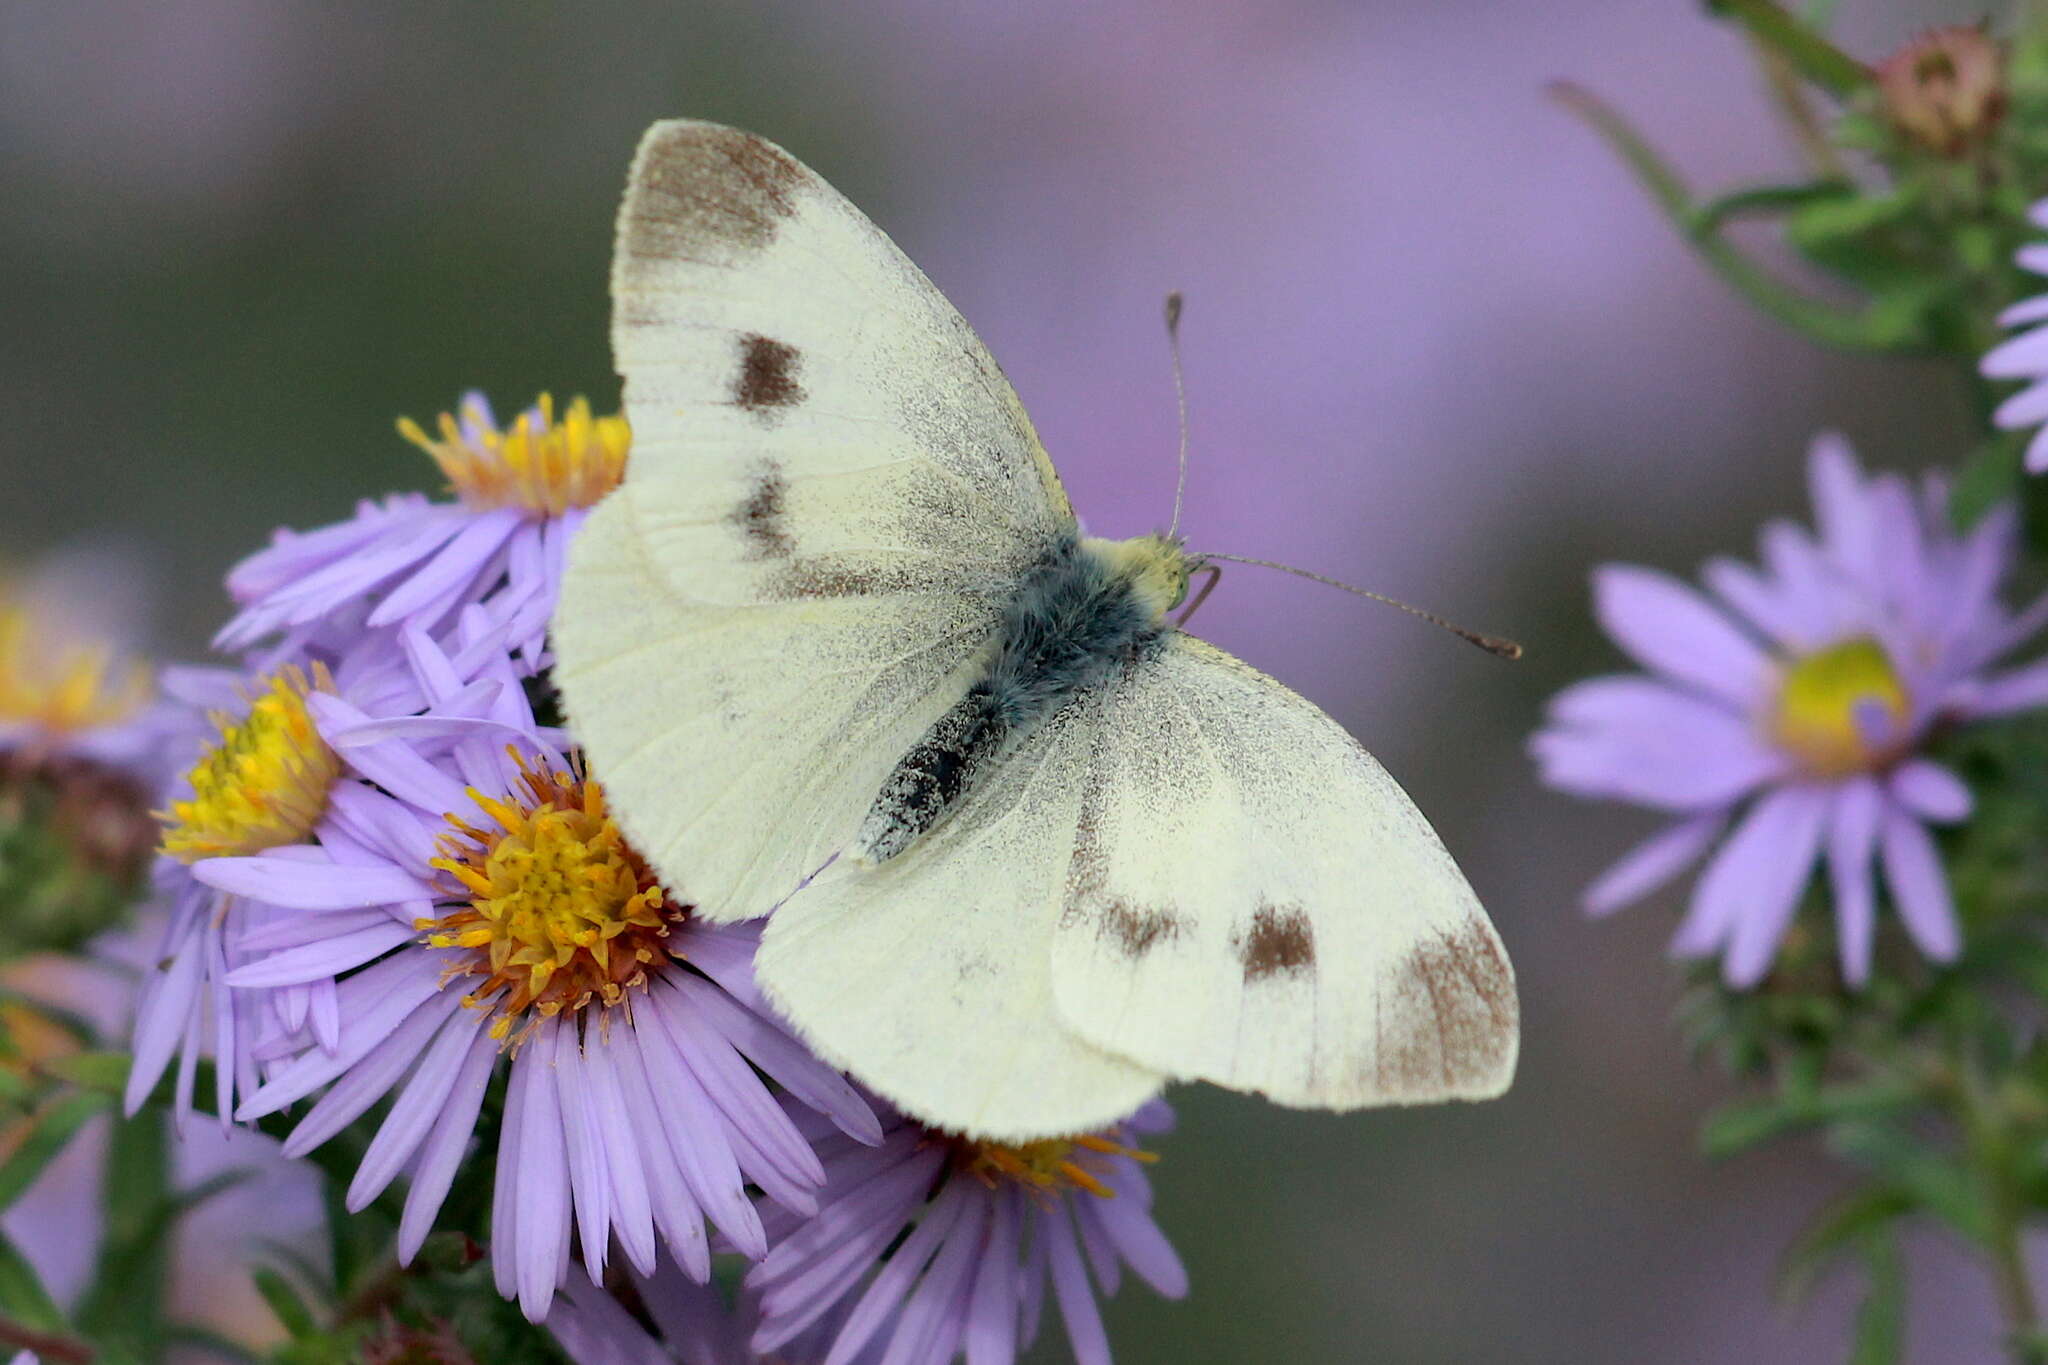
(1492, 644)
(1180, 395)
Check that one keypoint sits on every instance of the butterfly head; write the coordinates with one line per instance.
(1157, 565)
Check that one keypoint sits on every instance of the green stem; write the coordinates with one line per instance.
(1990, 1149)
(1824, 322)
(1813, 56)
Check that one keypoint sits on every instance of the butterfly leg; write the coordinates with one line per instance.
(1202, 595)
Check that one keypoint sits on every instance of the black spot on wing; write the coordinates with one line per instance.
(1280, 941)
(760, 517)
(766, 381)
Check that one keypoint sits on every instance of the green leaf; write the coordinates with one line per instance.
(1934, 1181)
(22, 1296)
(52, 1130)
(1824, 221)
(285, 1302)
(1738, 1127)
(1811, 55)
(1986, 479)
(126, 1301)
(103, 1071)
(1836, 1230)
(1880, 1331)
(1716, 213)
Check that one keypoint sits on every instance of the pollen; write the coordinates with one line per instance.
(561, 914)
(1842, 710)
(264, 783)
(62, 689)
(538, 464)
(1047, 1167)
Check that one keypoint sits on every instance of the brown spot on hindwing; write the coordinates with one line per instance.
(1281, 939)
(705, 193)
(759, 518)
(1131, 929)
(1448, 1018)
(767, 377)
(1135, 930)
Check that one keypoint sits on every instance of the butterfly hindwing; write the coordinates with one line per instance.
(928, 976)
(1253, 901)
(833, 490)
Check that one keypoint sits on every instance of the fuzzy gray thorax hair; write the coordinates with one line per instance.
(1077, 618)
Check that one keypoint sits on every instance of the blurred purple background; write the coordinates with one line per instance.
(1436, 342)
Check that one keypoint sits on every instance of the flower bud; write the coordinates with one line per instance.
(1945, 91)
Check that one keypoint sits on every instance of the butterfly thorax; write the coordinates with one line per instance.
(1080, 616)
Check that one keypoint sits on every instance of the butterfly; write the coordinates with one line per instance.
(839, 650)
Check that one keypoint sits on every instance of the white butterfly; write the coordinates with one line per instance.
(841, 611)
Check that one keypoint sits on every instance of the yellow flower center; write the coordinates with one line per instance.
(539, 464)
(1842, 710)
(1046, 1167)
(63, 689)
(264, 784)
(562, 912)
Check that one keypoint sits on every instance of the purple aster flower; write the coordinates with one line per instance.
(465, 901)
(2025, 357)
(931, 1245)
(71, 687)
(407, 561)
(1794, 703)
(264, 782)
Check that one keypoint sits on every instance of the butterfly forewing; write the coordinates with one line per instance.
(832, 490)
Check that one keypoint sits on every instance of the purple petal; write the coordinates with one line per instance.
(1930, 791)
(363, 1084)
(294, 885)
(381, 998)
(413, 1113)
(1638, 740)
(455, 563)
(676, 1212)
(328, 958)
(1747, 895)
(1652, 863)
(1085, 1334)
(696, 1135)
(935, 1317)
(543, 1181)
(1841, 509)
(1919, 887)
(897, 1278)
(169, 1000)
(1852, 836)
(590, 1176)
(2017, 689)
(991, 1337)
(1671, 629)
(1141, 1243)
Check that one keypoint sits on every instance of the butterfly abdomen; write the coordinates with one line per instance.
(1083, 613)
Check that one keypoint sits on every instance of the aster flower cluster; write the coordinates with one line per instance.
(1846, 737)
(406, 936)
